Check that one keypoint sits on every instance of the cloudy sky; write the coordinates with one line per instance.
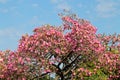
(18, 17)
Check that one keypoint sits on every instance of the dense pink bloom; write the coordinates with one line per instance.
(71, 51)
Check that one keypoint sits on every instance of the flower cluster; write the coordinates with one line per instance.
(45, 39)
(72, 51)
(82, 36)
(2, 64)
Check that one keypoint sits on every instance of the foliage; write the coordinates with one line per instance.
(72, 51)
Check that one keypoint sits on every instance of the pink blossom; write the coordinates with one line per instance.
(57, 51)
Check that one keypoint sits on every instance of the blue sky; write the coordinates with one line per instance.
(18, 17)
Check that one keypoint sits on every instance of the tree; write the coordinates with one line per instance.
(72, 51)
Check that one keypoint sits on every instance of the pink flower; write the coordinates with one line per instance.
(47, 71)
(20, 60)
(57, 50)
(1, 59)
(23, 78)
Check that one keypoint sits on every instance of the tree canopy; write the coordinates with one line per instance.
(72, 51)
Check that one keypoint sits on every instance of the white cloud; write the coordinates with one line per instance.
(34, 20)
(10, 33)
(35, 5)
(20, 1)
(107, 8)
(13, 8)
(3, 1)
(61, 4)
(4, 10)
(54, 1)
(57, 1)
(9, 38)
(80, 5)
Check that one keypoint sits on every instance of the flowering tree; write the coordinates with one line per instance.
(2, 64)
(72, 51)
(54, 50)
(109, 62)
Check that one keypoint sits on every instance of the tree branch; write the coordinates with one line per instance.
(66, 67)
(42, 75)
(65, 58)
(59, 71)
